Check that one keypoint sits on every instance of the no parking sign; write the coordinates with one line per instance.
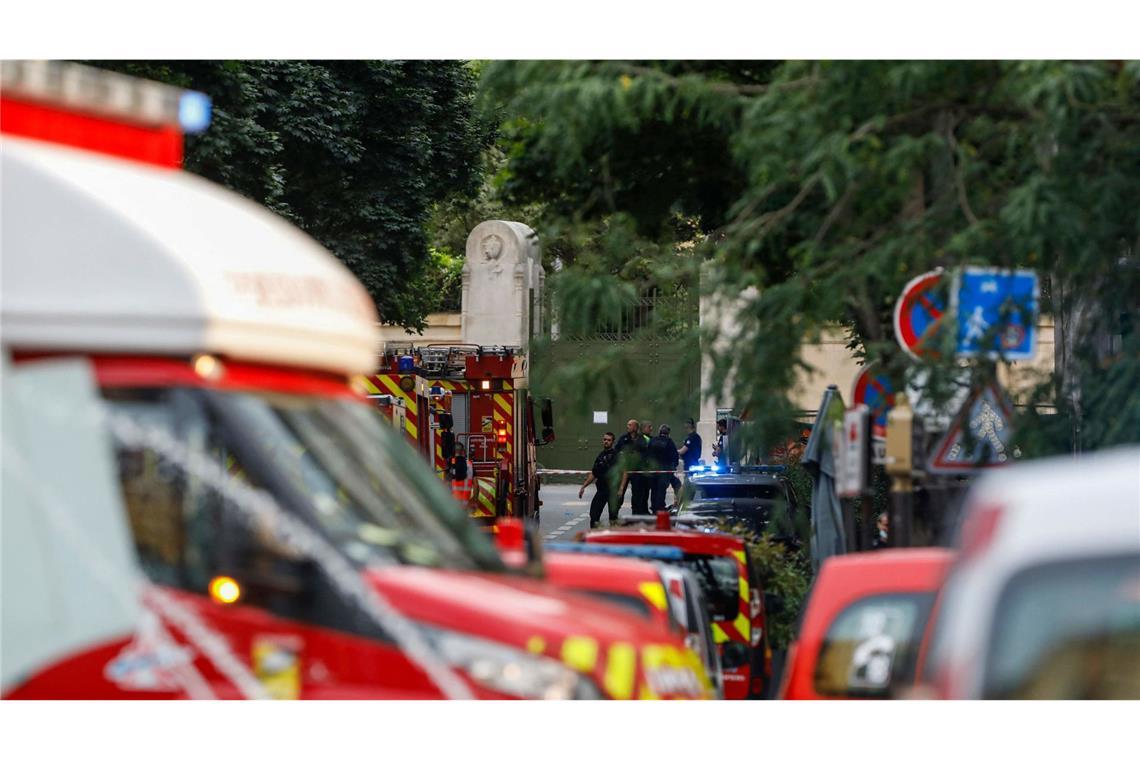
(917, 313)
(875, 391)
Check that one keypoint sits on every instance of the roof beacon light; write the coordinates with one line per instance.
(663, 520)
(194, 112)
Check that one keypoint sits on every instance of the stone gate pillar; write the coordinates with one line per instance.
(502, 285)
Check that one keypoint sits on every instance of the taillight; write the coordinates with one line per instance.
(502, 436)
(978, 530)
(755, 603)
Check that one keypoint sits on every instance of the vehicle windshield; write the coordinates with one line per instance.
(628, 602)
(365, 489)
(720, 580)
(333, 461)
(871, 645)
(1068, 631)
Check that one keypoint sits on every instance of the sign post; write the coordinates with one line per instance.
(900, 458)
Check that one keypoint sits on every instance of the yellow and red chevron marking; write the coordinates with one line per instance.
(440, 462)
(503, 412)
(740, 628)
(390, 384)
(455, 386)
(483, 504)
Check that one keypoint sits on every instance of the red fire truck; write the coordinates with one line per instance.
(280, 538)
(735, 595)
(448, 395)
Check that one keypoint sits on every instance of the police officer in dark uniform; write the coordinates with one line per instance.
(690, 453)
(631, 449)
(600, 475)
(663, 454)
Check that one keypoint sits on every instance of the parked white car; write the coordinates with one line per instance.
(1044, 600)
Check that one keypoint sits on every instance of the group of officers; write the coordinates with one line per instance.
(641, 462)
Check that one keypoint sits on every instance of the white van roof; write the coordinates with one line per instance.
(103, 255)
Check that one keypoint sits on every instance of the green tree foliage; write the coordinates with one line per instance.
(827, 185)
(356, 153)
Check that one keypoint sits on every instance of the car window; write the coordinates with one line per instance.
(1068, 631)
(720, 580)
(871, 644)
(628, 602)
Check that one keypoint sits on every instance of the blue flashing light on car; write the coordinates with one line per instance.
(194, 112)
(665, 553)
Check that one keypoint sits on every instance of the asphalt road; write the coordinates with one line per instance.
(563, 514)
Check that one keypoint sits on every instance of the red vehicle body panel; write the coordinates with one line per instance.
(527, 614)
(158, 145)
(845, 580)
(740, 682)
(617, 575)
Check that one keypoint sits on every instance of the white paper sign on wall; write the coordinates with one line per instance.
(601, 418)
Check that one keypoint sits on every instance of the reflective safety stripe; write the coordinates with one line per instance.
(580, 653)
(743, 626)
(462, 490)
(719, 636)
(655, 593)
(693, 660)
(503, 402)
(621, 669)
(484, 504)
(391, 386)
(653, 657)
(536, 645)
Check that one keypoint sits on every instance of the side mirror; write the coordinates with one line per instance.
(773, 603)
(547, 421)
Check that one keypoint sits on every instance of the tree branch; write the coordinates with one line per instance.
(727, 88)
(959, 174)
(835, 212)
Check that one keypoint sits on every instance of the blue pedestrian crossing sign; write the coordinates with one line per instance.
(996, 313)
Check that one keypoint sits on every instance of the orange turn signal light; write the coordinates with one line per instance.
(224, 590)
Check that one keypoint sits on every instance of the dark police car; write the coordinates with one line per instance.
(758, 498)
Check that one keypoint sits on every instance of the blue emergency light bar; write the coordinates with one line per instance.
(665, 553)
(706, 468)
